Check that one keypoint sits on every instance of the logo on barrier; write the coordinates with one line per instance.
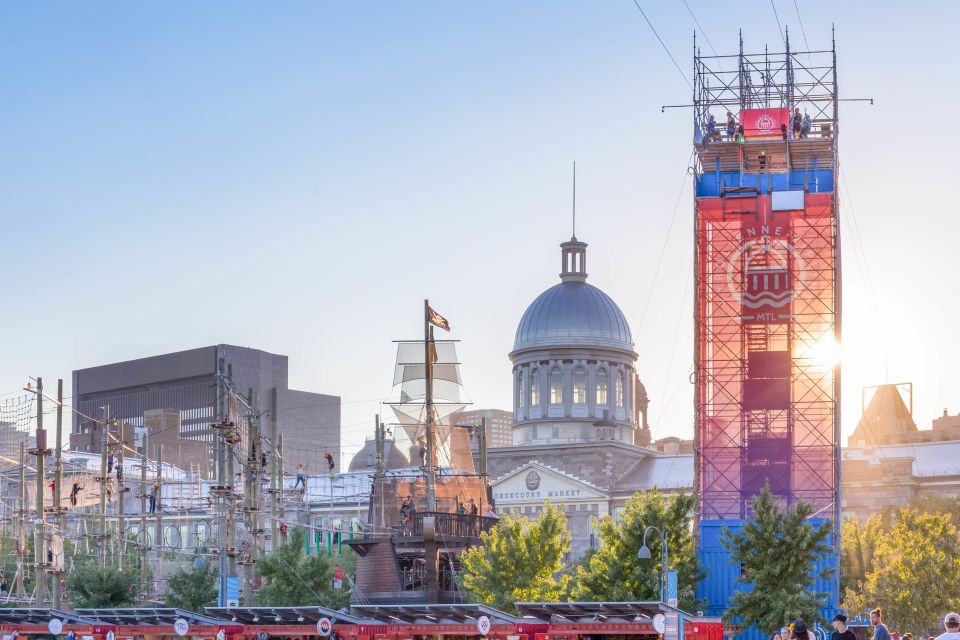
(111, 635)
(55, 626)
(181, 627)
(659, 623)
(483, 625)
(324, 627)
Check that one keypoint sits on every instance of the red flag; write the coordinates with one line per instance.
(437, 320)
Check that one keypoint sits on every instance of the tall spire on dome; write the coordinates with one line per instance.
(574, 252)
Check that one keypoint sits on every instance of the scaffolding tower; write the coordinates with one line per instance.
(767, 296)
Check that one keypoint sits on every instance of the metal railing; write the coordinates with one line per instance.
(458, 525)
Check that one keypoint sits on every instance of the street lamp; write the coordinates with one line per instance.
(644, 554)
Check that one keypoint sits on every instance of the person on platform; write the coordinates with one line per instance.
(462, 509)
(731, 125)
(951, 625)
(154, 494)
(490, 513)
(840, 629)
(473, 509)
(806, 126)
(4, 589)
(797, 123)
(404, 509)
(713, 135)
(301, 477)
(329, 457)
(880, 631)
(74, 492)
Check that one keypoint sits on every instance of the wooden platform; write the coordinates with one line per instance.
(767, 156)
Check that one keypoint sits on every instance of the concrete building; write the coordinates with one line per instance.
(185, 383)
(499, 425)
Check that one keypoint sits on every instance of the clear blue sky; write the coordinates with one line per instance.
(298, 176)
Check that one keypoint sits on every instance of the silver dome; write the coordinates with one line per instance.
(573, 313)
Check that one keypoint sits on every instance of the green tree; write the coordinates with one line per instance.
(192, 589)
(519, 561)
(614, 572)
(914, 566)
(91, 586)
(858, 541)
(776, 551)
(294, 578)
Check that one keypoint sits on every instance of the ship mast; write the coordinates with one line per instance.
(429, 355)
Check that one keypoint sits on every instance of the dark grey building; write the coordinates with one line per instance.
(186, 382)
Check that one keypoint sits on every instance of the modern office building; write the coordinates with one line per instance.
(186, 382)
(499, 425)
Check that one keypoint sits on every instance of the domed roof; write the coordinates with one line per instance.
(573, 313)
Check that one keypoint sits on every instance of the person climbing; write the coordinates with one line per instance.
(404, 508)
(329, 457)
(74, 492)
(301, 478)
(53, 488)
(109, 461)
(154, 494)
(119, 468)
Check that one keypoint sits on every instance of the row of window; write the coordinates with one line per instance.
(579, 387)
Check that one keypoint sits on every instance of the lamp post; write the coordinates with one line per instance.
(644, 554)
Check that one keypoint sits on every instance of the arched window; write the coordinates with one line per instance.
(520, 394)
(620, 388)
(535, 387)
(556, 386)
(603, 384)
(579, 385)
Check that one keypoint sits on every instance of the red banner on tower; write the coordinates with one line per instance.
(764, 123)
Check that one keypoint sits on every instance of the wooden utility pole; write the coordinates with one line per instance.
(274, 466)
(142, 533)
(158, 512)
(482, 447)
(39, 540)
(121, 495)
(283, 511)
(102, 529)
(251, 495)
(57, 493)
(21, 529)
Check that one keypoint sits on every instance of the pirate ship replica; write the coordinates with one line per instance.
(410, 552)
